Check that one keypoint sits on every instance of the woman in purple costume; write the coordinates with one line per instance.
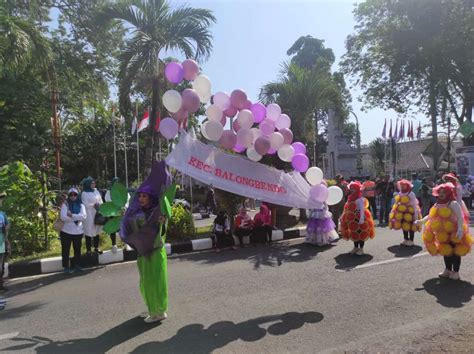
(320, 230)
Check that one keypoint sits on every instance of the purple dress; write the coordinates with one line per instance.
(320, 229)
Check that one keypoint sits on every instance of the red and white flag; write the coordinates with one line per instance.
(157, 122)
(134, 125)
(145, 122)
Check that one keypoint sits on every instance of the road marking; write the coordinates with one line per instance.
(387, 261)
(9, 335)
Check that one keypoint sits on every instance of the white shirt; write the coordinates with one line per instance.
(70, 227)
(108, 198)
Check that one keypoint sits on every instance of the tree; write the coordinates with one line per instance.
(377, 152)
(153, 27)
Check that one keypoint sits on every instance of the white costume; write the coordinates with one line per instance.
(89, 199)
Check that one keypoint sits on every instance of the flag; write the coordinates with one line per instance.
(412, 132)
(395, 135)
(134, 125)
(144, 122)
(418, 133)
(384, 131)
(390, 132)
(402, 130)
(157, 122)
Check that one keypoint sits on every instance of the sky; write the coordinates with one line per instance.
(251, 39)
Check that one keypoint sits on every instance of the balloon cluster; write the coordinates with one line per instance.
(258, 130)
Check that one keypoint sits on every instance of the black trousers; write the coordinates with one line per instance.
(412, 235)
(453, 263)
(222, 240)
(359, 244)
(113, 238)
(89, 242)
(240, 233)
(261, 234)
(66, 241)
(384, 209)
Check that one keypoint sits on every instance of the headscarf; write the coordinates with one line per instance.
(263, 216)
(220, 219)
(74, 206)
(355, 190)
(153, 196)
(450, 193)
(451, 178)
(86, 184)
(404, 183)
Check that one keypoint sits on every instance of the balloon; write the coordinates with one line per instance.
(238, 98)
(300, 162)
(214, 113)
(181, 115)
(214, 130)
(245, 137)
(191, 69)
(286, 152)
(273, 111)
(169, 128)
(319, 193)
(222, 100)
(287, 135)
(253, 155)
(191, 100)
(248, 105)
(172, 101)
(283, 122)
(223, 120)
(262, 145)
(267, 127)
(238, 148)
(235, 126)
(205, 97)
(228, 139)
(300, 148)
(335, 195)
(256, 133)
(245, 118)
(231, 111)
(202, 85)
(314, 175)
(259, 111)
(174, 72)
(271, 151)
(203, 130)
(276, 140)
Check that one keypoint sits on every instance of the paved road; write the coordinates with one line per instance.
(288, 297)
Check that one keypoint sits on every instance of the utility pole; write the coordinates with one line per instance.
(56, 134)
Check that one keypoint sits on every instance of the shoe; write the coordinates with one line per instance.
(67, 270)
(3, 289)
(217, 250)
(404, 243)
(410, 243)
(78, 269)
(234, 248)
(156, 318)
(98, 251)
(446, 274)
(144, 314)
(360, 252)
(114, 249)
(354, 250)
(454, 276)
(88, 253)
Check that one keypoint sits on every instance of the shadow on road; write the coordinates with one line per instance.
(403, 251)
(193, 338)
(449, 293)
(14, 312)
(347, 261)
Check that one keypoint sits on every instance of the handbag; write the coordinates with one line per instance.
(100, 219)
(58, 224)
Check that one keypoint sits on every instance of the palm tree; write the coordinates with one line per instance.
(153, 27)
(377, 153)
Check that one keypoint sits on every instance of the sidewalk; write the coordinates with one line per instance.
(54, 264)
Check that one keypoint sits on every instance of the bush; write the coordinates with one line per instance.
(181, 225)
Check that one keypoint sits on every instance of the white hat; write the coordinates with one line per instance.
(72, 190)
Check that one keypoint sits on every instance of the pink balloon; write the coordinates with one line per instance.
(223, 120)
(271, 152)
(181, 115)
(169, 128)
(228, 139)
(238, 98)
(300, 162)
(267, 127)
(262, 145)
(239, 148)
(273, 111)
(287, 135)
(235, 126)
(319, 193)
(191, 100)
(191, 69)
(245, 137)
(259, 111)
(283, 122)
(248, 105)
(221, 100)
(174, 72)
(300, 148)
(231, 111)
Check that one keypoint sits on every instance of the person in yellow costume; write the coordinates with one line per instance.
(405, 212)
(446, 233)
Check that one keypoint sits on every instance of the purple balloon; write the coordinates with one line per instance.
(262, 145)
(235, 126)
(267, 127)
(169, 128)
(191, 69)
(181, 115)
(238, 98)
(191, 100)
(300, 148)
(231, 111)
(228, 139)
(174, 72)
(319, 193)
(238, 148)
(259, 111)
(271, 151)
(287, 135)
(300, 162)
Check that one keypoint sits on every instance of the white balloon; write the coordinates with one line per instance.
(286, 152)
(203, 130)
(202, 85)
(172, 101)
(335, 195)
(253, 155)
(245, 138)
(276, 140)
(204, 98)
(222, 100)
(283, 122)
(245, 119)
(256, 133)
(214, 130)
(214, 113)
(273, 111)
(314, 175)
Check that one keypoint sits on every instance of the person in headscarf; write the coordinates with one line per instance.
(262, 226)
(446, 232)
(73, 214)
(91, 199)
(243, 225)
(405, 211)
(357, 224)
(221, 231)
(453, 179)
(144, 229)
(108, 198)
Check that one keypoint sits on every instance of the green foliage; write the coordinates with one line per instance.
(377, 152)
(181, 225)
(112, 225)
(229, 202)
(109, 209)
(119, 195)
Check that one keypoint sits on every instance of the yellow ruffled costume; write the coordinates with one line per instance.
(402, 215)
(350, 227)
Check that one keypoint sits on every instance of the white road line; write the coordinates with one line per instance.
(9, 335)
(387, 261)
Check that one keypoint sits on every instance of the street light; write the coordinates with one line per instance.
(359, 156)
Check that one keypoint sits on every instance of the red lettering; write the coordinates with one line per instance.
(225, 175)
(238, 179)
(207, 168)
(192, 161)
(218, 172)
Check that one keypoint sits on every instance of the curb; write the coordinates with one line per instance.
(200, 216)
(54, 264)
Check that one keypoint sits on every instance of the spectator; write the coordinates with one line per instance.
(73, 213)
(243, 225)
(425, 195)
(416, 186)
(368, 188)
(262, 226)
(211, 200)
(91, 199)
(108, 198)
(385, 189)
(221, 232)
(4, 243)
(338, 208)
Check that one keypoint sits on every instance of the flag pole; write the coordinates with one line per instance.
(138, 145)
(115, 151)
(125, 150)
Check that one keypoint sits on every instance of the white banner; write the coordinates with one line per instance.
(237, 174)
